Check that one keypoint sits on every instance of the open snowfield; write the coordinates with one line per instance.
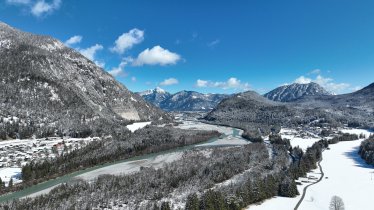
(297, 140)
(135, 126)
(7, 173)
(283, 203)
(346, 175)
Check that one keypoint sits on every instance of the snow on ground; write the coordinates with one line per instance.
(231, 136)
(132, 166)
(296, 139)
(135, 126)
(349, 177)
(283, 203)
(346, 175)
(7, 173)
(229, 140)
(194, 125)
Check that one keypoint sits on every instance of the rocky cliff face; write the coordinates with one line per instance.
(49, 88)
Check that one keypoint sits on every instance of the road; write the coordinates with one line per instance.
(305, 188)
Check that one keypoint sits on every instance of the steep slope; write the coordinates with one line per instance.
(183, 100)
(155, 96)
(295, 91)
(47, 88)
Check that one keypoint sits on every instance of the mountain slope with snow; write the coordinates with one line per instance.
(183, 100)
(50, 88)
(295, 91)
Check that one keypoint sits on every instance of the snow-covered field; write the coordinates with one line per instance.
(135, 126)
(346, 175)
(7, 173)
(298, 140)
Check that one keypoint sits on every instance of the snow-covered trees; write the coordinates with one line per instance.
(366, 150)
(143, 141)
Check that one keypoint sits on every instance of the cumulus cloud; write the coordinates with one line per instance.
(303, 80)
(90, 53)
(38, 8)
(231, 83)
(120, 69)
(128, 40)
(170, 81)
(156, 56)
(73, 40)
(42, 7)
(325, 82)
(202, 83)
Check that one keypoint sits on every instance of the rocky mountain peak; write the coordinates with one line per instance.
(295, 91)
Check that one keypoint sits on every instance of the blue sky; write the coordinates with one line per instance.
(212, 46)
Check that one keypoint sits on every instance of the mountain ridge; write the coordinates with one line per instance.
(183, 100)
(53, 89)
(287, 93)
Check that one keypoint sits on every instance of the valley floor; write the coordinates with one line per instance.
(346, 175)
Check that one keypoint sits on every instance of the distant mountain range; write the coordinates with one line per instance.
(287, 93)
(255, 113)
(48, 88)
(183, 100)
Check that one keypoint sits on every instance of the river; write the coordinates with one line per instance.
(230, 137)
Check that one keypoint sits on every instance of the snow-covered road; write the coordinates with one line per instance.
(346, 175)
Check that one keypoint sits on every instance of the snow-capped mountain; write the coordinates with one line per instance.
(183, 100)
(295, 91)
(155, 96)
(51, 88)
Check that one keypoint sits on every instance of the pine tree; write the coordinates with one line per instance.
(10, 182)
(192, 202)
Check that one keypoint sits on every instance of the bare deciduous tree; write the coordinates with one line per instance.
(336, 203)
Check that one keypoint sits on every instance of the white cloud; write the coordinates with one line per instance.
(128, 40)
(18, 2)
(38, 8)
(133, 79)
(214, 43)
(303, 80)
(156, 56)
(90, 53)
(73, 40)
(325, 82)
(120, 69)
(41, 7)
(170, 81)
(231, 83)
(202, 83)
